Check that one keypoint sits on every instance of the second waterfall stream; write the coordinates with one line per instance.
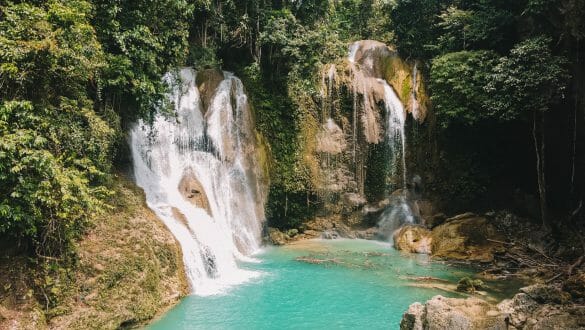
(199, 169)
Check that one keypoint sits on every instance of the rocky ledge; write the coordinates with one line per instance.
(534, 307)
(463, 237)
(320, 227)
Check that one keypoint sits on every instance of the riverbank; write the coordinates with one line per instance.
(128, 270)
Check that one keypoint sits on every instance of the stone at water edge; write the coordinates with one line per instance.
(277, 237)
(207, 82)
(466, 237)
(414, 239)
(542, 307)
(454, 314)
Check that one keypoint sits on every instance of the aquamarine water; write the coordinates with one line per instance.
(336, 284)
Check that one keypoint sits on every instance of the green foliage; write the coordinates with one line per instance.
(457, 85)
(47, 52)
(55, 151)
(474, 25)
(530, 79)
(143, 40)
(52, 162)
(415, 26)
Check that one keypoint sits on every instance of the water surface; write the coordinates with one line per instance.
(341, 284)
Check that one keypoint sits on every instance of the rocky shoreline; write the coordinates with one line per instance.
(502, 246)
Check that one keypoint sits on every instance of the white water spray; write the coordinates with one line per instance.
(395, 136)
(201, 177)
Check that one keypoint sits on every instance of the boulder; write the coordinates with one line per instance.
(193, 191)
(370, 233)
(414, 239)
(466, 237)
(542, 307)
(414, 317)
(454, 314)
(277, 237)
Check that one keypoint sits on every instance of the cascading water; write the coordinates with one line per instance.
(395, 137)
(200, 175)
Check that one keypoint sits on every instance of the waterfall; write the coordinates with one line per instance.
(395, 137)
(201, 177)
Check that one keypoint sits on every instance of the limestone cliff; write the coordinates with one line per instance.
(356, 148)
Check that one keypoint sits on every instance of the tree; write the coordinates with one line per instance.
(525, 84)
(55, 150)
(142, 40)
(457, 85)
(415, 26)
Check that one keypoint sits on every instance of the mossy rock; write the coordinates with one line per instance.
(467, 284)
(466, 237)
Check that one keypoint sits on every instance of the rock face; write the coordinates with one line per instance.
(193, 191)
(542, 307)
(365, 100)
(466, 237)
(207, 82)
(535, 307)
(414, 239)
(276, 237)
(452, 313)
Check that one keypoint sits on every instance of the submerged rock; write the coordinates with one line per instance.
(414, 239)
(453, 314)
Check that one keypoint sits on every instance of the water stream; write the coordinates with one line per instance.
(199, 173)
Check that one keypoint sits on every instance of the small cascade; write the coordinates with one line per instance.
(414, 105)
(396, 215)
(395, 136)
(201, 177)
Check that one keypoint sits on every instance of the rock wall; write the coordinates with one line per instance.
(350, 157)
(535, 307)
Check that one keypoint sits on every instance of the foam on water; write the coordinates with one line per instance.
(216, 149)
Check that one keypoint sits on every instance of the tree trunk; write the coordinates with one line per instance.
(539, 147)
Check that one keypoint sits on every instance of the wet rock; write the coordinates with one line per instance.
(277, 237)
(331, 139)
(434, 220)
(207, 82)
(466, 237)
(370, 233)
(193, 191)
(544, 294)
(414, 239)
(354, 200)
(542, 307)
(311, 233)
(575, 286)
(330, 234)
(425, 209)
(452, 313)
(413, 318)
